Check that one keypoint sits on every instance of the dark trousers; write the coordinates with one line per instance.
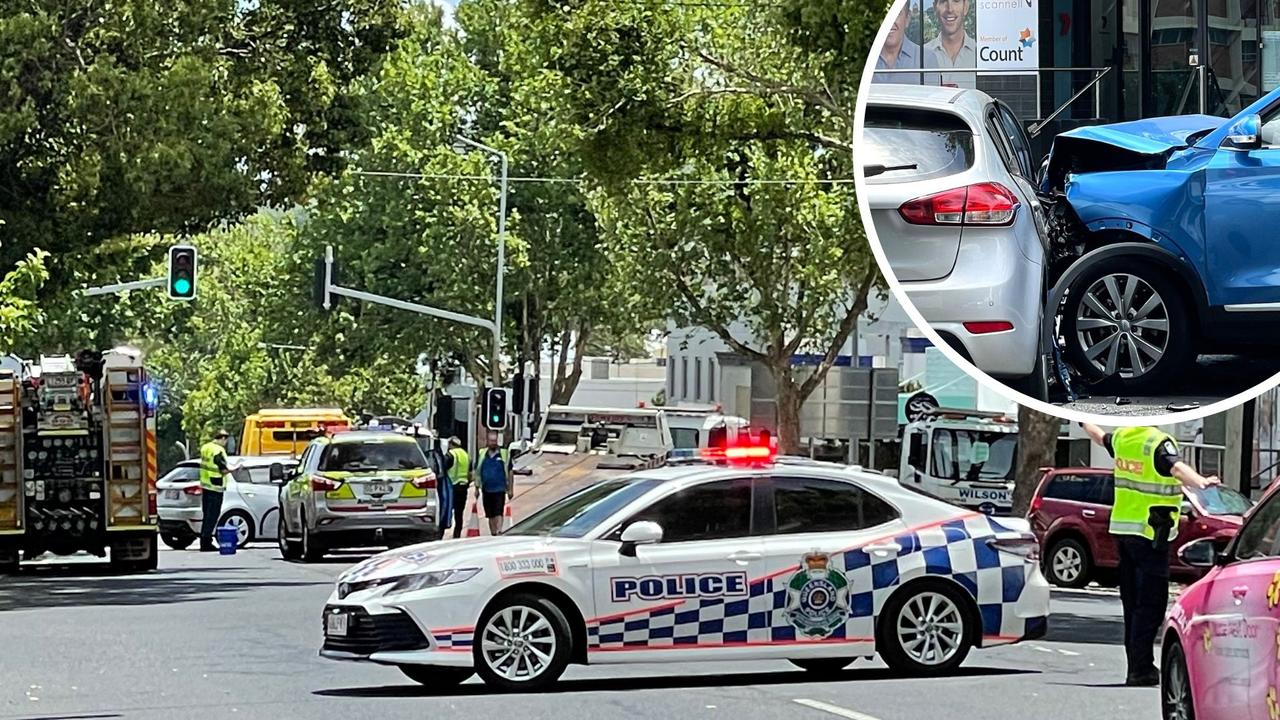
(211, 508)
(1144, 594)
(459, 508)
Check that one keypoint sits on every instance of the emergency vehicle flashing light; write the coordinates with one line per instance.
(751, 451)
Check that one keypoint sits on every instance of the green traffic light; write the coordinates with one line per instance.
(182, 286)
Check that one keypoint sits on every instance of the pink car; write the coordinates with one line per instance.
(1221, 650)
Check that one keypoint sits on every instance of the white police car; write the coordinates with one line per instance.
(814, 563)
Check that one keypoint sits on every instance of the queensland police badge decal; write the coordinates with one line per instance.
(817, 597)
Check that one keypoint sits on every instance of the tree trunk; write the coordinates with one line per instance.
(567, 383)
(1037, 445)
(789, 403)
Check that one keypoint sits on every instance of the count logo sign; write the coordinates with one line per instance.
(817, 597)
(1007, 37)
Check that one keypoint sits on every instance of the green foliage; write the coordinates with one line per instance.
(19, 311)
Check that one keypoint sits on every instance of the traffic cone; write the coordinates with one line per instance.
(506, 518)
(473, 525)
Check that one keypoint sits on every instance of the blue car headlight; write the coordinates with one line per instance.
(437, 578)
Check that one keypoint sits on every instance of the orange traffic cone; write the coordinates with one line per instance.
(473, 525)
(506, 518)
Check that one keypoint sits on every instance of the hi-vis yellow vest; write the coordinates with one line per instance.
(1138, 486)
(458, 471)
(209, 472)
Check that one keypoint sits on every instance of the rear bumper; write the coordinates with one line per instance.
(328, 521)
(1000, 286)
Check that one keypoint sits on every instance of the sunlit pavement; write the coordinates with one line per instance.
(237, 637)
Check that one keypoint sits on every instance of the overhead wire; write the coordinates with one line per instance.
(577, 181)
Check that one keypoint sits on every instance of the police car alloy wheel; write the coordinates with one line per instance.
(1175, 688)
(523, 643)
(288, 548)
(434, 676)
(925, 629)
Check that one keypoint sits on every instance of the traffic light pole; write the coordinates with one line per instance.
(123, 287)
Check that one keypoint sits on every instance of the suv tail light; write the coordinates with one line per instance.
(192, 490)
(1025, 547)
(425, 482)
(980, 204)
(322, 483)
(1036, 502)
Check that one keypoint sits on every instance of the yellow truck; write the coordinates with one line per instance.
(287, 431)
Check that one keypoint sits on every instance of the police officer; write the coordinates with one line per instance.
(491, 472)
(1149, 479)
(456, 466)
(213, 472)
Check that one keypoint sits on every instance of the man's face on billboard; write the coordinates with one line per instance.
(950, 14)
(899, 28)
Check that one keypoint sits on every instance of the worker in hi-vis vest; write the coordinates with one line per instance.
(213, 473)
(491, 472)
(456, 466)
(1149, 480)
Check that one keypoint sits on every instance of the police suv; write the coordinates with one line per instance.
(742, 557)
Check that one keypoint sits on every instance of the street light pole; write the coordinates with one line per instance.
(502, 254)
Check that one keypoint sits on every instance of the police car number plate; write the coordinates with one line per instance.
(378, 488)
(335, 624)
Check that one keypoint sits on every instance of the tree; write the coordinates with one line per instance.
(1037, 447)
(19, 310)
(727, 100)
(142, 116)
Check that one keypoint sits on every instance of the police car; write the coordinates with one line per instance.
(747, 557)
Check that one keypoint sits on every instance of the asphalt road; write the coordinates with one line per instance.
(1213, 378)
(236, 637)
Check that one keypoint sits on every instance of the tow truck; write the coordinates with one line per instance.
(78, 460)
(961, 456)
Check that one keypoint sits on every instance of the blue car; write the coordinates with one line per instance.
(1165, 239)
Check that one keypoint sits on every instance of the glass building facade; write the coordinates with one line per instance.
(1161, 57)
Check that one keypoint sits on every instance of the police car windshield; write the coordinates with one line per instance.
(373, 456)
(581, 512)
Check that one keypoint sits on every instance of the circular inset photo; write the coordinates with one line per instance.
(1085, 244)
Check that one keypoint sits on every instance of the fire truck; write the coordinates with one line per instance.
(78, 460)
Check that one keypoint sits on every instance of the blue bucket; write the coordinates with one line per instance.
(228, 538)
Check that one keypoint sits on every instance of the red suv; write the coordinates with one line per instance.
(1072, 508)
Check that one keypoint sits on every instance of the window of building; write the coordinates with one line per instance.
(684, 378)
(697, 378)
(711, 380)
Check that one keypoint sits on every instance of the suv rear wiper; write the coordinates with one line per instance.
(874, 170)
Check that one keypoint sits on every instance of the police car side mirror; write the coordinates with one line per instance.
(276, 473)
(643, 532)
(1199, 553)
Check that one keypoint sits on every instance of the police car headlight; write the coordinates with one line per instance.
(422, 581)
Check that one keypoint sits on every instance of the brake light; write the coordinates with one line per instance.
(151, 504)
(1036, 502)
(425, 482)
(980, 204)
(1025, 547)
(192, 490)
(989, 326)
(321, 483)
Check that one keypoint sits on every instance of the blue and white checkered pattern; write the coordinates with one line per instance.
(453, 640)
(956, 549)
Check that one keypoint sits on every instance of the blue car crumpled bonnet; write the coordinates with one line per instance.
(1136, 145)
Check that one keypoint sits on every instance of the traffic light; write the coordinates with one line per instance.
(182, 272)
(495, 408)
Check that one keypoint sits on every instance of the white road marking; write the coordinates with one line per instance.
(1041, 648)
(1068, 652)
(833, 709)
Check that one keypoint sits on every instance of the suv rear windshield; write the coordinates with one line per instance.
(373, 456)
(1218, 500)
(923, 144)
